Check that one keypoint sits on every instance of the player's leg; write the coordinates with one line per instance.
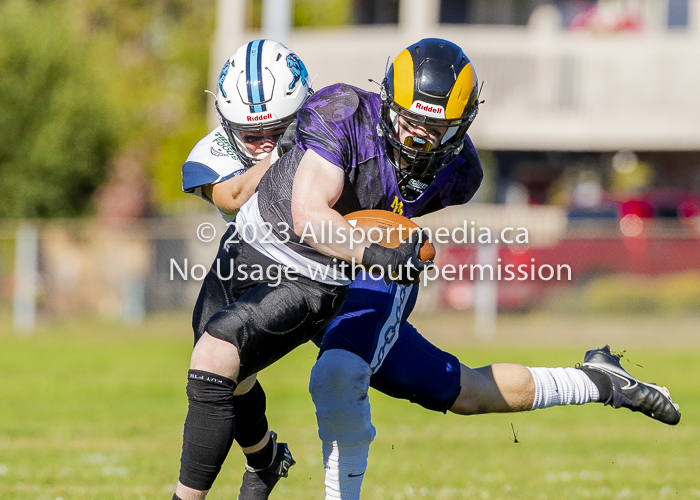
(260, 327)
(244, 420)
(214, 295)
(505, 387)
(338, 384)
(420, 372)
(263, 454)
(267, 461)
(209, 425)
(355, 341)
(510, 387)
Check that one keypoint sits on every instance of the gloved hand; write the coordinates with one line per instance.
(401, 264)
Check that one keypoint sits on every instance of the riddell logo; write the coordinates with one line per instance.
(257, 118)
(430, 109)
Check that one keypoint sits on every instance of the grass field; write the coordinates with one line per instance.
(93, 410)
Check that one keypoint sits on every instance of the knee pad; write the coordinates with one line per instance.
(251, 422)
(338, 385)
(209, 428)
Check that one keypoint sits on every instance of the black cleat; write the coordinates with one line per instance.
(258, 483)
(628, 392)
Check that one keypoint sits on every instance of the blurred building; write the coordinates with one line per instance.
(566, 83)
(590, 107)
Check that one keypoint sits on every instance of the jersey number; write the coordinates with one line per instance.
(397, 206)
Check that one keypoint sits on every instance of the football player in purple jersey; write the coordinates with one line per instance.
(405, 150)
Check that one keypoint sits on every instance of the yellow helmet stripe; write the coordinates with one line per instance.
(403, 79)
(462, 90)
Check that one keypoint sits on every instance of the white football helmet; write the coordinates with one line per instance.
(261, 87)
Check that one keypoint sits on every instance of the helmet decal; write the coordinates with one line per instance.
(298, 70)
(428, 109)
(462, 92)
(259, 117)
(256, 95)
(403, 75)
(222, 76)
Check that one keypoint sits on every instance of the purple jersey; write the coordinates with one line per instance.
(340, 124)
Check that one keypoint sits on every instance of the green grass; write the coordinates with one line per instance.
(92, 410)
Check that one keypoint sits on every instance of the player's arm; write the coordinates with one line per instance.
(318, 184)
(230, 195)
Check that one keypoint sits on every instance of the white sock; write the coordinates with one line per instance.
(345, 468)
(562, 386)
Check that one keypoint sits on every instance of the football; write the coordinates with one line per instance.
(388, 229)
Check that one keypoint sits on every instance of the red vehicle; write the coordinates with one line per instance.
(658, 233)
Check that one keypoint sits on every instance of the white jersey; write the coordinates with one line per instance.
(258, 233)
(211, 161)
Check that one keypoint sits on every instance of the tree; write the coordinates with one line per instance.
(57, 127)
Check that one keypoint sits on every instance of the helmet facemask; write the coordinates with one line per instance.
(233, 132)
(419, 146)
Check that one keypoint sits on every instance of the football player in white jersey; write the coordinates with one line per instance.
(255, 105)
(258, 93)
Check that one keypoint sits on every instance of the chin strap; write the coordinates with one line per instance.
(410, 187)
